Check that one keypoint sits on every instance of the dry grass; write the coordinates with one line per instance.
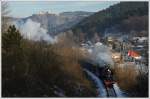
(132, 81)
(126, 76)
(70, 54)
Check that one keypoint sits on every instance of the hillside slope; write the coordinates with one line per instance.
(54, 23)
(123, 17)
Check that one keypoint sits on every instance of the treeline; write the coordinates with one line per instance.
(118, 16)
(39, 69)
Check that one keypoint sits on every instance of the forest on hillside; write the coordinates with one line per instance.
(124, 17)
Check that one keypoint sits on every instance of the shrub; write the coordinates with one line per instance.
(37, 69)
(132, 81)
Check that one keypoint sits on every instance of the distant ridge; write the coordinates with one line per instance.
(114, 19)
(55, 23)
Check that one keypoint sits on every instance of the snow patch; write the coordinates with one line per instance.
(101, 89)
(119, 93)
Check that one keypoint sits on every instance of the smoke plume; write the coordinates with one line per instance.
(33, 31)
(101, 54)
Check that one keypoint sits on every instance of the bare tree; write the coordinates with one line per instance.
(4, 12)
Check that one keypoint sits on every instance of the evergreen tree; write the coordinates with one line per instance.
(12, 60)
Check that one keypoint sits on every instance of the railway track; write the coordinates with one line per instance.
(103, 91)
(111, 92)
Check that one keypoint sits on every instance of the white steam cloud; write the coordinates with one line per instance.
(101, 54)
(33, 31)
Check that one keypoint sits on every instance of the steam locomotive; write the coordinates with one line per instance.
(108, 78)
(103, 72)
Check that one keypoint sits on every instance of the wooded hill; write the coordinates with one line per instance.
(122, 17)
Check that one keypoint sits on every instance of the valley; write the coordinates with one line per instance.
(76, 53)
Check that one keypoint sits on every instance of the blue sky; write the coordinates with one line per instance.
(27, 8)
